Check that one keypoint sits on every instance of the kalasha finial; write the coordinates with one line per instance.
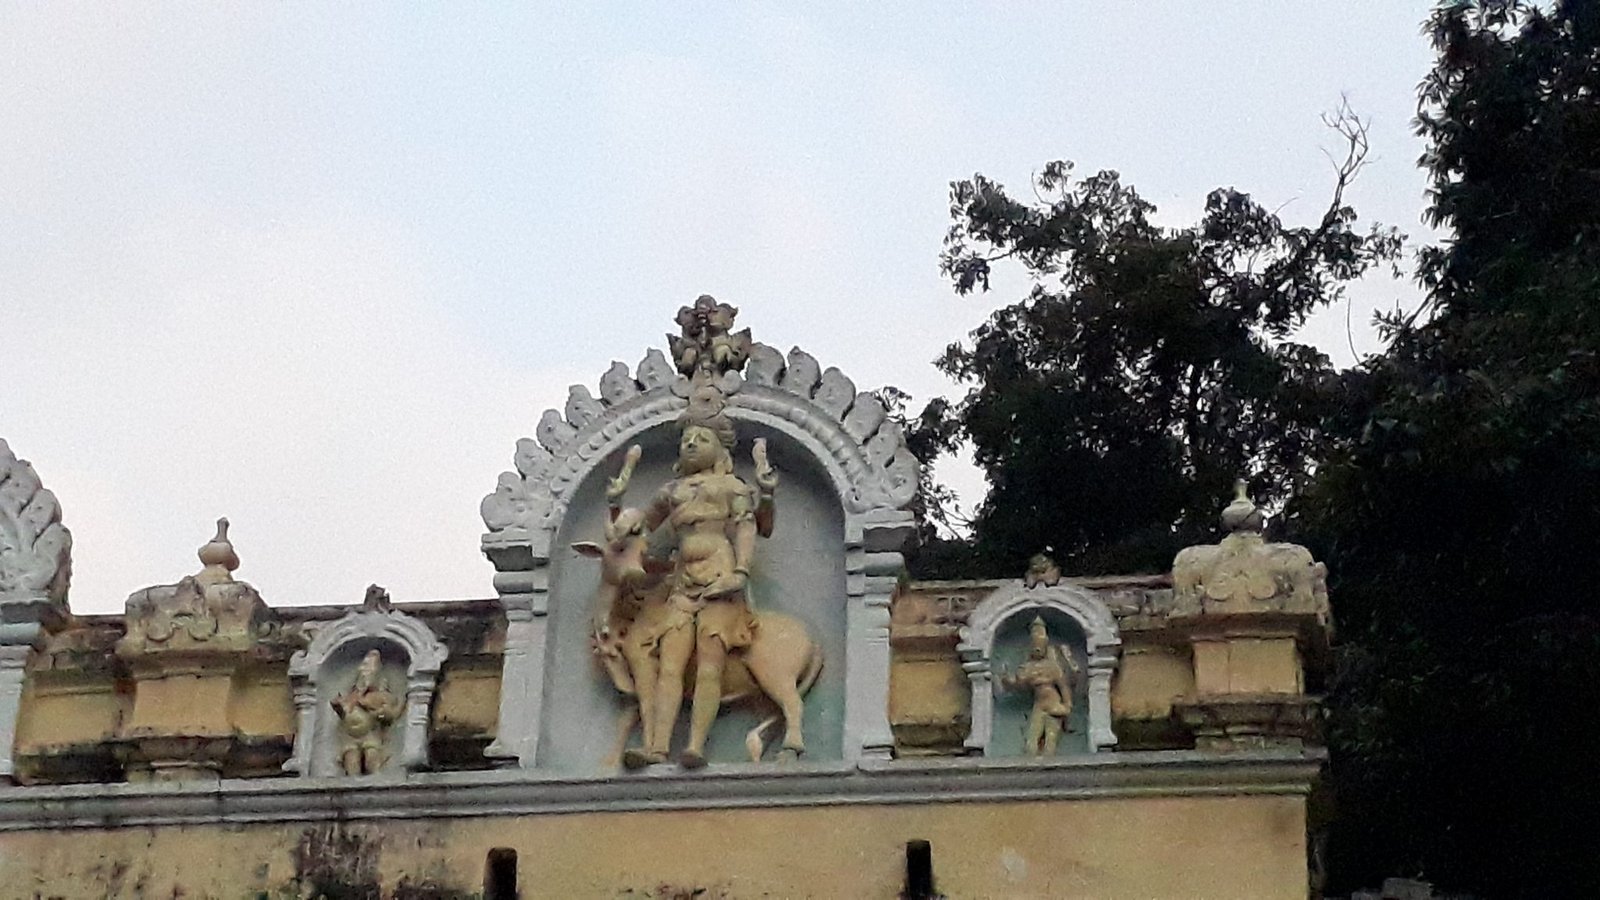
(218, 558)
(1242, 514)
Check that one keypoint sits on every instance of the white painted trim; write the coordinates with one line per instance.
(512, 792)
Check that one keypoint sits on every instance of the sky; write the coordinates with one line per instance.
(317, 267)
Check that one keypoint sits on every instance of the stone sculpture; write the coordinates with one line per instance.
(693, 631)
(366, 712)
(1049, 673)
(1042, 570)
(1244, 573)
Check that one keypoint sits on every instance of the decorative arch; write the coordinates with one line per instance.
(1102, 638)
(847, 433)
(377, 622)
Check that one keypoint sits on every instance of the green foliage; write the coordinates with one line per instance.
(1459, 506)
(1148, 367)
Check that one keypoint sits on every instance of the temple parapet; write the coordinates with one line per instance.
(1257, 617)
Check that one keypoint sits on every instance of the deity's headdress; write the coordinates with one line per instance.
(706, 351)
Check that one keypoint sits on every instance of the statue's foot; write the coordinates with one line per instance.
(692, 759)
(790, 754)
(635, 758)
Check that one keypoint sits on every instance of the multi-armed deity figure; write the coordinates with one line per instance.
(700, 612)
(366, 712)
(1048, 673)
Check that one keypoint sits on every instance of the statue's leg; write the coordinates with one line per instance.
(642, 665)
(675, 647)
(1036, 733)
(1052, 734)
(707, 698)
(372, 760)
(783, 688)
(350, 760)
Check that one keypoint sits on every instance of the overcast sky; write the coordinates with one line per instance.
(317, 267)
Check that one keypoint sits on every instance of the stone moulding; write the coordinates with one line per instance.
(376, 621)
(513, 792)
(848, 433)
(1102, 638)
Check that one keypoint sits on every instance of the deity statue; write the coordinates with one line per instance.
(366, 712)
(1049, 672)
(684, 625)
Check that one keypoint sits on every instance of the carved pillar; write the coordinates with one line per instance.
(871, 576)
(35, 568)
(975, 662)
(1254, 612)
(1102, 665)
(522, 579)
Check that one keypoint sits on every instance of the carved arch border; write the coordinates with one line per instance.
(425, 656)
(849, 433)
(1103, 643)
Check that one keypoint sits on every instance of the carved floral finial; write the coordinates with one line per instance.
(1042, 569)
(1242, 514)
(707, 344)
(376, 600)
(218, 558)
(35, 549)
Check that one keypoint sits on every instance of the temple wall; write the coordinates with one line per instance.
(1237, 848)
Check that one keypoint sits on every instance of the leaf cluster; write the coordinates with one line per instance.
(1146, 369)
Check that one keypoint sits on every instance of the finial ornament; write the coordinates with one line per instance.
(217, 558)
(1242, 514)
(35, 548)
(1042, 569)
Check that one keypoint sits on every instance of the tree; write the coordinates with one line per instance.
(1148, 367)
(1459, 506)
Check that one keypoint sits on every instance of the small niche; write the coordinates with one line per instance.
(919, 871)
(500, 875)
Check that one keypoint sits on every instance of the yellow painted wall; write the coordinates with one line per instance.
(1185, 848)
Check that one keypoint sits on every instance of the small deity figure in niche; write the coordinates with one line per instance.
(1049, 672)
(366, 712)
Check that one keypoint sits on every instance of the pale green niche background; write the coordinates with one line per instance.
(1012, 707)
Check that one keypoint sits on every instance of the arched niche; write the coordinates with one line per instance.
(846, 478)
(411, 656)
(1074, 616)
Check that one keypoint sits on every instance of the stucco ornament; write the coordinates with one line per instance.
(207, 610)
(352, 731)
(694, 620)
(1102, 645)
(1243, 573)
(35, 548)
(722, 379)
(1042, 570)
(366, 711)
(1049, 673)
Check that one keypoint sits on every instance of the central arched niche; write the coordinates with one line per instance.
(847, 480)
(800, 570)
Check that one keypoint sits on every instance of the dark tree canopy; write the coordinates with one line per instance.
(1148, 367)
(1459, 505)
